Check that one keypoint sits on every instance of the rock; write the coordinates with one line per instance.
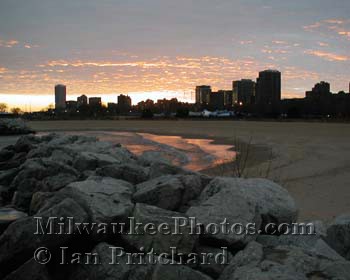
(158, 169)
(6, 195)
(128, 172)
(31, 270)
(338, 235)
(20, 240)
(6, 154)
(14, 162)
(41, 174)
(274, 203)
(231, 207)
(284, 262)
(162, 242)
(212, 267)
(311, 243)
(8, 216)
(125, 269)
(26, 143)
(175, 272)
(165, 192)
(7, 176)
(13, 127)
(250, 257)
(105, 199)
(91, 161)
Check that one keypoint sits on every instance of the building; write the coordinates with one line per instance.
(82, 100)
(71, 106)
(203, 95)
(228, 98)
(217, 100)
(243, 92)
(124, 103)
(60, 97)
(95, 101)
(321, 89)
(268, 92)
(112, 108)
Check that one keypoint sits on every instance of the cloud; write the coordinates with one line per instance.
(8, 44)
(328, 55)
(337, 27)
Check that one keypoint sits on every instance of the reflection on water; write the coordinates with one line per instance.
(193, 154)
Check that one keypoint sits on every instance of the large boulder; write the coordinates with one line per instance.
(152, 238)
(338, 235)
(230, 208)
(125, 267)
(159, 168)
(8, 216)
(164, 192)
(274, 203)
(105, 199)
(128, 172)
(31, 270)
(25, 235)
(283, 262)
(14, 127)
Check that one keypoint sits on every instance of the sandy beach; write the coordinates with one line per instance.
(311, 160)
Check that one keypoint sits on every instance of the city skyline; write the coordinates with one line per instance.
(164, 49)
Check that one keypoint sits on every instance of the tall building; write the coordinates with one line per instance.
(95, 101)
(124, 103)
(82, 100)
(243, 92)
(203, 95)
(268, 92)
(217, 100)
(228, 98)
(60, 97)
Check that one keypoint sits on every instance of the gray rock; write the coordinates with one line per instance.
(216, 260)
(128, 172)
(19, 240)
(91, 160)
(160, 242)
(338, 235)
(175, 272)
(105, 199)
(14, 127)
(311, 243)
(275, 205)
(8, 216)
(284, 262)
(231, 207)
(7, 176)
(165, 192)
(158, 169)
(250, 257)
(31, 270)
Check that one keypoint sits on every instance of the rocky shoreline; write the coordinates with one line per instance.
(14, 127)
(101, 183)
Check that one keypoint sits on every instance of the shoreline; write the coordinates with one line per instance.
(311, 160)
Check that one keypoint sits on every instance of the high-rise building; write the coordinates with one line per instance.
(217, 100)
(82, 100)
(243, 92)
(124, 103)
(228, 98)
(268, 92)
(203, 95)
(95, 101)
(60, 97)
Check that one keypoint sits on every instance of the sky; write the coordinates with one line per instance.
(164, 48)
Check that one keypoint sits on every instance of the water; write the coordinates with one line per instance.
(193, 154)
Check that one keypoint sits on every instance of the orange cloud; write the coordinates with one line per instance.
(327, 55)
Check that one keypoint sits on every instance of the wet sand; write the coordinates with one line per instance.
(311, 160)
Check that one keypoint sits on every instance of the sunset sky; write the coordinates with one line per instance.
(164, 48)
